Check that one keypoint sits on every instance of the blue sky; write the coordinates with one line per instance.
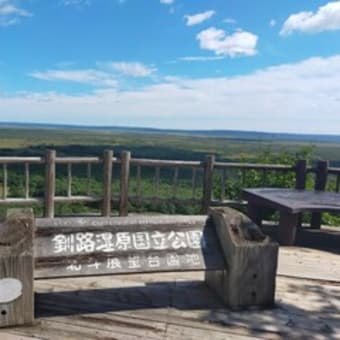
(193, 64)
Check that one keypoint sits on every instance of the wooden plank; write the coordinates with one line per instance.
(4, 181)
(16, 269)
(138, 184)
(321, 174)
(105, 322)
(252, 166)
(223, 184)
(157, 179)
(77, 199)
(11, 336)
(294, 201)
(307, 263)
(175, 332)
(304, 308)
(69, 180)
(193, 182)
(264, 177)
(300, 174)
(175, 182)
(89, 178)
(287, 228)
(54, 330)
(124, 183)
(74, 248)
(107, 182)
(19, 201)
(27, 180)
(296, 314)
(164, 163)
(135, 199)
(78, 160)
(50, 176)
(207, 182)
(21, 160)
(255, 213)
(300, 180)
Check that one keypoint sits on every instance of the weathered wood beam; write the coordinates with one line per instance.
(16, 268)
(251, 261)
(50, 176)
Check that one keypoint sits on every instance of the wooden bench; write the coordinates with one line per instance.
(239, 261)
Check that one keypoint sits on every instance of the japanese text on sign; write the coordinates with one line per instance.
(89, 242)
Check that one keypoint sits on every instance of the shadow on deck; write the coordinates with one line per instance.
(326, 239)
(304, 309)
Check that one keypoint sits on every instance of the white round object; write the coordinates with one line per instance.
(10, 290)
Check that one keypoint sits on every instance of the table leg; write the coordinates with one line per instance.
(287, 228)
(316, 221)
(255, 213)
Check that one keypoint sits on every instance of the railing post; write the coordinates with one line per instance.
(107, 182)
(321, 173)
(300, 180)
(300, 174)
(50, 164)
(207, 182)
(124, 183)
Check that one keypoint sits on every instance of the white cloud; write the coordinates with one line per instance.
(229, 21)
(272, 23)
(299, 97)
(326, 18)
(132, 69)
(167, 2)
(198, 18)
(11, 14)
(77, 3)
(240, 43)
(200, 58)
(90, 77)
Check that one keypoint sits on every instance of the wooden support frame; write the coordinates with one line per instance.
(16, 268)
(251, 261)
(321, 174)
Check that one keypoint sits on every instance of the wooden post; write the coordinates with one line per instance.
(255, 213)
(251, 261)
(321, 173)
(207, 183)
(50, 183)
(287, 228)
(300, 174)
(300, 180)
(107, 182)
(16, 268)
(124, 183)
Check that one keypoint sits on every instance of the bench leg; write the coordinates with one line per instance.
(287, 228)
(316, 221)
(255, 213)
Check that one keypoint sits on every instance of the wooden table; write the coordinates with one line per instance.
(290, 203)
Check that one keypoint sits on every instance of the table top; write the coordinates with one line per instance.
(294, 201)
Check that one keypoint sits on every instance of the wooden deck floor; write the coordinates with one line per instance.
(180, 306)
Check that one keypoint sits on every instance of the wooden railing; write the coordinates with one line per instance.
(201, 176)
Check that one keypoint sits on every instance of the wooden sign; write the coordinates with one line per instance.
(80, 246)
(238, 259)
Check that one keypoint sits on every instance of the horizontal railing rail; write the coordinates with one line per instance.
(199, 178)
